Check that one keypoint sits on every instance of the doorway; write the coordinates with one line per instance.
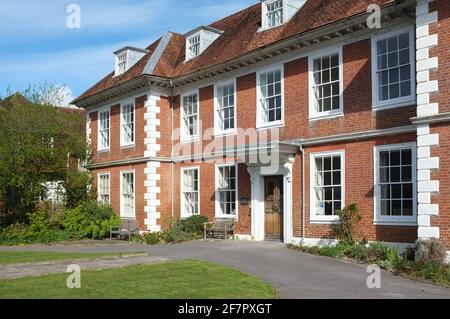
(273, 207)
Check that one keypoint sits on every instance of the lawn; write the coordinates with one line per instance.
(17, 257)
(188, 279)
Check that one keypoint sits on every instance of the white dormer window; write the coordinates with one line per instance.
(194, 45)
(122, 62)
(199, 39)
(274, 14)
(126, 58)
(278, 12)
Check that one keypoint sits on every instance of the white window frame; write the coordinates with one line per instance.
(265, 13)
(217, 176)
(99, 183)
(395, 220)
(260, 124)
(124, 104)
(183, 136)
(183, 213)
(218, 131)
(401, 101)
(189, 53)
(101, 147)
(120, 71)
(122, 214)
(319, 219)
(313, 114)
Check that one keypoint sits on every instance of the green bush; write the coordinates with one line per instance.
(152, 238)
(432, 250)
(38, 221)
(348, 217)
(357, 252)
(175, 235)
(22, 234)
(90, 220)
(193, 225)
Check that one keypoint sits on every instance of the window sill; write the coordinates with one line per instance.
(106, 150)
(270, 125)
(328, 221)
(127, 146)
(393, 105)
(395, 223)
(225, 133)
(226, 216)
(188, 140)
(319, 117)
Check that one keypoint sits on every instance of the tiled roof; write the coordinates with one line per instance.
(240, 36)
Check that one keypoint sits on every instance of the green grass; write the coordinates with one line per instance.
(188, 279)
(18, 257)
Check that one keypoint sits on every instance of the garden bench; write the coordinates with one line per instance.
(127, 227)
(220, 228)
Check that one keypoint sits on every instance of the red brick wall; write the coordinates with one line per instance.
(116, 152)
(442, 51)
(359, 189)
(115, 189)
(443, 175)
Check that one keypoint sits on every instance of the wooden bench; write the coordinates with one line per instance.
(127, 228)
(220, 228)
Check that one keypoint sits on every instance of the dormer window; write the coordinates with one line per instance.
(278, 12)
(126, 58)
(194, 45)
(199, 39)
(122, 63)
(274, 14)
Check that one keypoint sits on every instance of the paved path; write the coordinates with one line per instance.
(299, 275)
(293, 274)
(44, 268)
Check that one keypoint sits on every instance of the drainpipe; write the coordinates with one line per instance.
(172, 167)
(303, 194)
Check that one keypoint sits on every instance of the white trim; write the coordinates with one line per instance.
(313, 217)
(217, 199)
(183, 214)
(189, 54)
(401, 101)
(384, 220)
(134, 194)
(122, 104)
(101, 148)
(259, 123)
(183, 137)
(99, 176)
(313, 114)
(217, 130)
(127, 63)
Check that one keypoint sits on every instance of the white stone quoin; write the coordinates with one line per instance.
(425, 140)
(152, 147)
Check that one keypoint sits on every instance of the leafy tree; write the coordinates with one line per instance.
(36, 140)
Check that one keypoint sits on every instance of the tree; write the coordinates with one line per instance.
(35, 142)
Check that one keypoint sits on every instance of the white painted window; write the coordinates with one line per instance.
(189, 119)
(127, 190)
(194, 45)
(326, 85)
(226, 190)
(103, 130)
(395, 183)
(327, 185)
(393, 69)
(274, 13)
(122, 62)
(270, 97)
(225, 104)
(104, 189)
(190, 192)
(127, 121)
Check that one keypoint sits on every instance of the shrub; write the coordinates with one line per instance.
(432, 250)
(22, 234)
(175, 235)
(435, 271)
(38, 221)
(90, 220)
(193, 225)
(377, 252)
(357, 252)
(152, 238)
(348, 217)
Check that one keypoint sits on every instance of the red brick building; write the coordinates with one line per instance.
(281, 114)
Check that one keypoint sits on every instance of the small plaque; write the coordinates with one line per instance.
(244, 201)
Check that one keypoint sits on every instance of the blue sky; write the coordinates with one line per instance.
(36, 45)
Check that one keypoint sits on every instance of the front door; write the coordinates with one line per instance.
(273, 206)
